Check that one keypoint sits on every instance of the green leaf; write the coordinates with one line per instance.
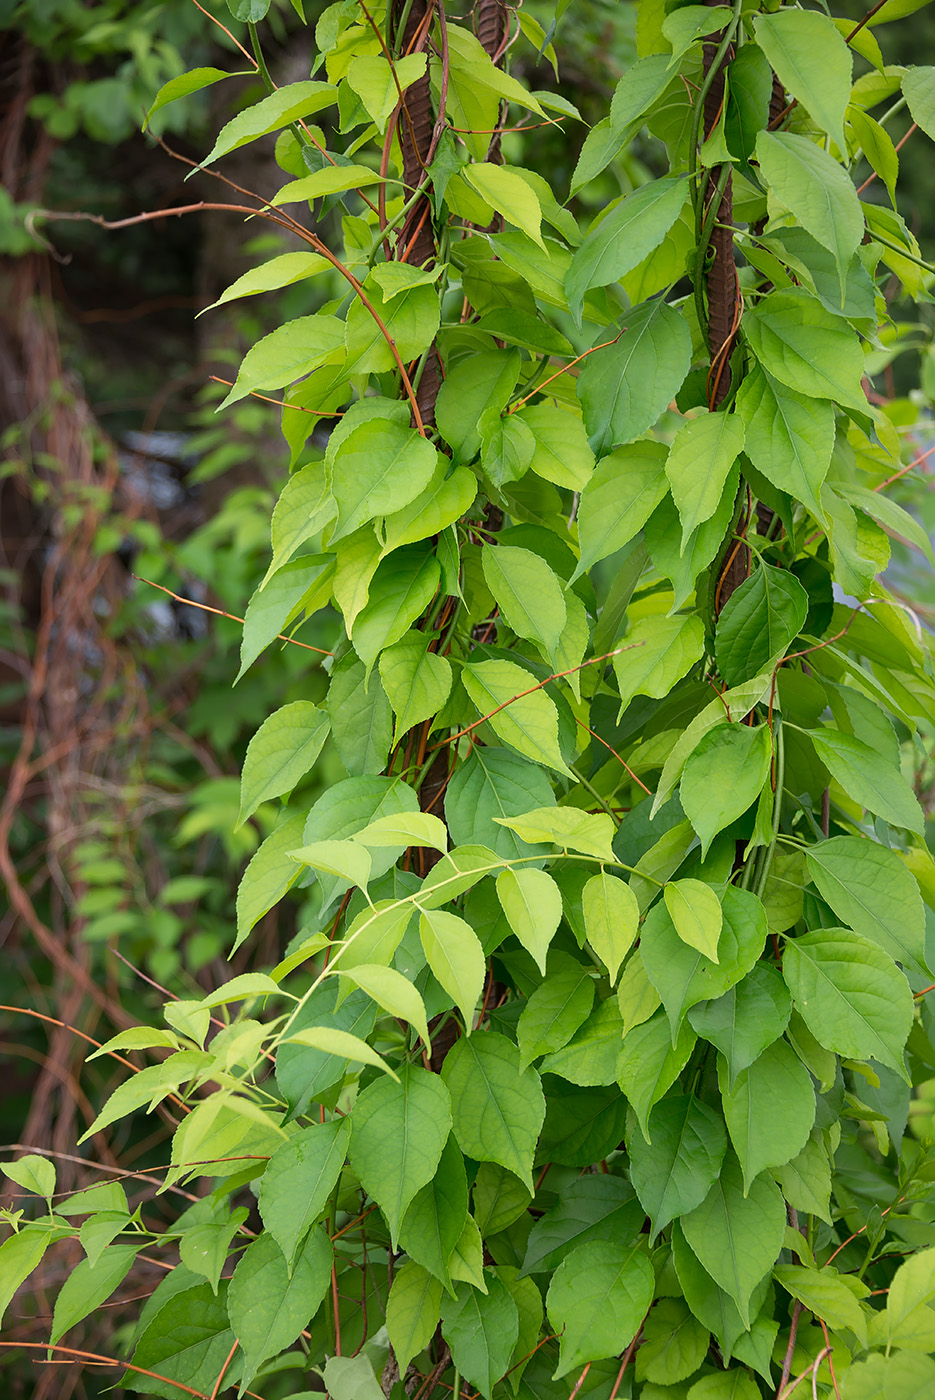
(272, 275)
(509, 195)
(532, 903)
(19, 1255)
(299, 585)
(268, 1307)
(433, 1224)
(870, 888)
(498, 1108)
(553, 1013)
(105, 1196)
(378, 82)
(826, 1294)
(611, 919)
(187, 1341)
(637, 91)
(393, 992)
(443, 501)
(196, 80)
(286, 105)
(888, 514)
(590, 1057)
(658, 651)
(398, 1133)
(912, 1286)
(402, 589)
(507, 447)
(725, 1385)
(674, 1174)
(598, 1207)
(304, 507)
(287, 353)
(597, 1299)
(412, 1312)
(695, 911)
(380, 467)
(405, 829)
(528, 593)
(770, 1109)
(204, 1248)
(615, 243)
(481, 1329)
(374, 935)
(868, 778)
(806, 1180)
(410, 321)
(582, 1125)
(806, 348)
(304, 1074)
(479, 384)
(626, 385)
(759, 622)
(33, 1173)
(618, 500)
(674, 1344)
(88, 1285)
(812, 61)
(917, 85)
(903, 1376)
(746, 1019)
(298, 1181)
(567, 827)
(649, 1063)
(681, 974)
(455, 873)
(851, 995)
(698, 465)
(562, 453)
(663, 536)
(148, 1088)
(816, 190)
(737, 702)
(490, 784)
(737, 1237)
(416, 681)
(455, 955)
(280, 753)
(361, 715)
(527, 722)
(343, 859)
(723, 776)
(787, 440)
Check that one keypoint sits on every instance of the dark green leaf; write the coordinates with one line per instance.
(481, 1329)
(674, 1174)
(759, 622)
(268, 1307)
(597, 1299)
(498, 1109)
(298, 1181)
(626, 385)
(746, 1019)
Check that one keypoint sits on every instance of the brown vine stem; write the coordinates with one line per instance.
(280, 403)
(564, 370)
(810, 1370)
(616, 755)
(95, 1359)
(580, 1382)
(790, 1351)
(219, 612)
(26, 1011)
(215, 20)
(223, 1371)
(627, 1358)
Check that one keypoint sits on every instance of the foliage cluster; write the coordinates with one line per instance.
(589, 1068)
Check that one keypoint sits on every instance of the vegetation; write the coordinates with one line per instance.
(580, 992)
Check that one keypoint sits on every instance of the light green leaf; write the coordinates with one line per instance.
(562, 453)
(19, 1255)
(738, 702)
(733, 1384)
(674, 1344)
(699, 462)
(401, 591)
(759, 622)
(481, 1329)
(627, 384)
(196, 80)
(398, 1133)
(590, 1057)
(301, 1175)
(33, 1173)
(300, 585)
(187, 1337)
(618, 500)
(105, 1196)
(660, 651)
(350, 1378)
(825, 1293)
(695, 911)
(287, 353)
(343, 859)
(811, 184)
(649, 1063)
(812, 61)
(455, 873)
(528, 593)
(770, 1109)
(868, 778)
(788, 440)
(802, 345)
(410, 321)
(280, 753)
(737, 1238)
(723, 776)
(148, 1088)
(361, 716)
(467, 1258)
(393, 992)
(918, 86)
(498, 1108)
(507, 447)
(887, 513)
(271, 275)
(637, 91)
(912, 1286)
(674, 1174)
(509, 195)
(333, 179)
(611, 919)
(443, 501)
(304, 507)
(637, 998)
(416, 680)
(374, 935)
(851, 995)
(869, 887)
(527, 722)
(455, 955)
(412, 1312)
(600, 1207)
(616, 243)
(532, 903)
(567, 827)
(268, 1307)
(681, 974)
(331, 1041)
(378, 82)
(877, 145)
(380, 467)
(479, 384)
(405, 829)
(553, 1013)
(597, 1298)
(434, 1223)
(287, 104)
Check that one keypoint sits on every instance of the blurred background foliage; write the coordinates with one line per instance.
(121, 732)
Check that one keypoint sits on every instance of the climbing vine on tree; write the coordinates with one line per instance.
(589, 1069)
